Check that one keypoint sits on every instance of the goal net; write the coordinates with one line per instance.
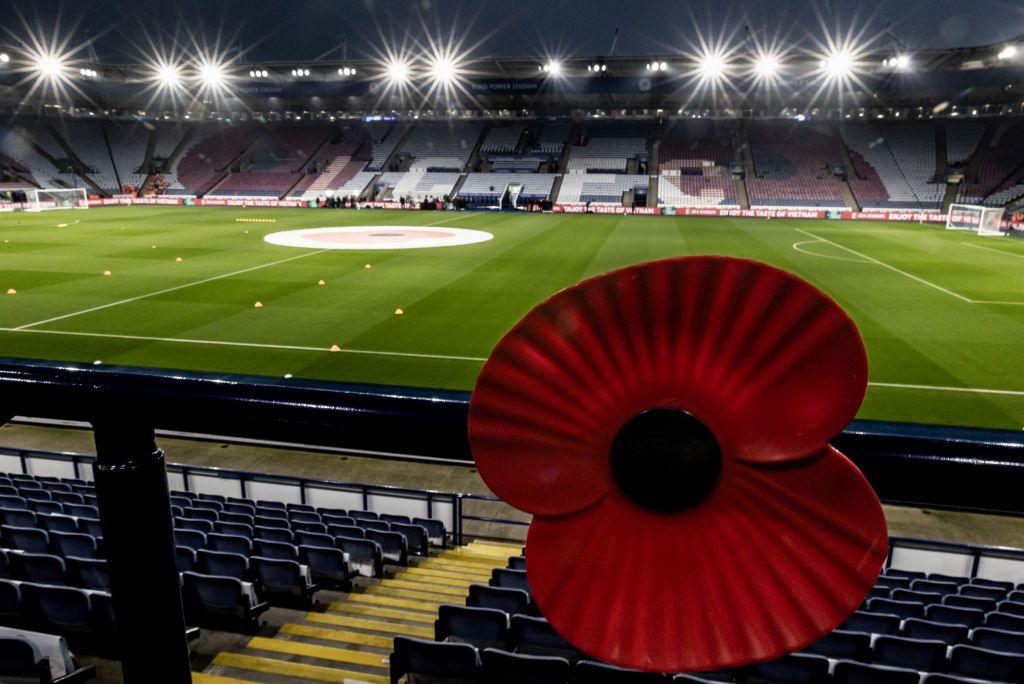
(981, 220)
(45, 199)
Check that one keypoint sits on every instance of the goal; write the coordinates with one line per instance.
(981, 220)
(44, 199)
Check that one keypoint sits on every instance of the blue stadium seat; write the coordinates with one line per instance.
(517, 563)
(21, 661)
(590, 672)
(1010, 623)
(276, 534)
(847, 672)
(994, 584)
(938, 631)
(1016, 596)
(364, 555)
(481, 627)
(934, 587)
(197, 524)
(314, 539)
(330, 511)
(391, 518)
(103, 618)
(190, 538)
(985, 664)
(242, 508)
(89, 573)
(218, 498)
(1010, 607)
(208, 504)
(28, 539)
(393, 546)
(269, 521)
(894, 582)
(378, 525)
(998, 640)
(509, 579)
(10, 602)
(304, 517)
(535, 636)
(315, 527)
(329, 520)
(434, 659)
(62, 609)
(222, 564)
(36, 567)
(299, 508)
(201, 513)
(69, 544)
(57, 523)
(955, 579)
(927, 598)
(276, 550)
(223, 597)
(272, 505)
(953, 616)
(45, 506)
(239, 529)
(415, 537)
(363, 515)
(916, 654)
(958, 601)
(185, 558)
(872, 623)
(905, 609)
(842, 645)
(68, 498)
(283, 578)
(90, 526)
(509, 600)
(504, 667)
(19, 517)
(435, 530)
(792, 669)
(979, 591)
(82, 511)
(327, 566)
(346, 531)
(229, 543)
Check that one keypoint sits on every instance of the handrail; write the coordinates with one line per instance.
(916, 465)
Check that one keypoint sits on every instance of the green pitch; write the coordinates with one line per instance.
(941, 312)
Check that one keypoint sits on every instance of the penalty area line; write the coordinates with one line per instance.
(938, 388)
(250, 345)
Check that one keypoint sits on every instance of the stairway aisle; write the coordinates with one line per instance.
(352, 639)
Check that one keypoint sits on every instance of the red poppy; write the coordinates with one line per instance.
(667, 425)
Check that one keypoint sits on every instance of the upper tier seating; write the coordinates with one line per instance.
(903, 155)
(599, 188)
(214, 148)
(695, 162)
(441, 146)
(962, 138)
(502, 139)
(275, 161)
(714, 187)
(552, 139)
(605, 154)
(384, 138)
(794, 163)
(14, 142)
(128, 148)
(168, 136)
(89, 143)
(1000, 176)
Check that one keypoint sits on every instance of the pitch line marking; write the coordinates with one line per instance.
(796, 246)
(997, 251)
(211, 279)
(256, 345)
(891, 268)
(937, 388)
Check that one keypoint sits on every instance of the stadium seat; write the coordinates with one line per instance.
(435, 530)
(847, 672)
(196, 524)
(935, 678)
(1005, 621)
(792, 669)
(391, 518)
(299, 508)
(66, 610)
(954, 616)
(504, 667)
(275, 534)
(517, 563)
(434, 659)
(222, 564)
(938, 631)
(89, 573)
(985, 664)
(315, 527)
(994, 584)
(304, 517)
(240, 507)
(980, 591)
(82, 511)
(959, 601)
(916, 654)
(208, 504)
(346, 531)
(330, 519)
(185, 558)
(927, 598)
(393, 546)
(872, 623)
(373, 525)
(842, 645)
(314, 539)
(1010, 607)
(327, 566)
(229, 543)
(415, 537)
(535, 636)
(364, 555)
(201, 513)
(103, 618)
(222, 597)
(19, 517)
(481, 627)
(10, 602)
(13, 502)
(364, 515)
(934, 587)
(283, 578)
(590, 672)
(74, 544)
(509, 579)
(238, 529)
(998, 640)
(190, 538)
(41, 568)
(271, 521)
(272, 505)
(904, 609)
(26, 539)
(45, 506)
(511, 601)
(57, 523)
(276, 550)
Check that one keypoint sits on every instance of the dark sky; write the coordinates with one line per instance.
(304, 29)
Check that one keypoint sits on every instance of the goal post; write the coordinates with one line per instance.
(45, 199)
(981, 220)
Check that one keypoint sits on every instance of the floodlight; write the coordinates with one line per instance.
(901, 62)
(397, 71)
(1007, 52)
(4, 57)
(553, 67)
(712, 66)
(211, 75)
(442, 70)
(662, 66)
(168, 75)
(838, 65)
(49, 66)
(767, 66)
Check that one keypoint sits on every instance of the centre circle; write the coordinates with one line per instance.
(665, 460)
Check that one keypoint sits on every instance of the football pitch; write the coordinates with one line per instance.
(941, 312)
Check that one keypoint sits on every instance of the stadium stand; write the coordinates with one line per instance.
(605, 154)
(487, 189)
(962, 138)
(552, 139)
(794, 163)
(15, 145)
(440, 146)
(275, 162)
(206, 161)
(502, 139)
(89, 142)
(695, 161)
(128, 145)
(999, 177)
(384, 139)
(169, 135)
(903, 156)
(600, 188)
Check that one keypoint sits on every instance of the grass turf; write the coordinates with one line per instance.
(921, 295)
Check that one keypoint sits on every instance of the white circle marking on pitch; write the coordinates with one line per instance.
(378, 237)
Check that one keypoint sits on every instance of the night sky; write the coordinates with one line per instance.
(307, 29)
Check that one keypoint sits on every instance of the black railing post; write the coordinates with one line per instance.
(134, 502)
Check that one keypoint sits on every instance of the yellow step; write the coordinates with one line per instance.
(518, 548)
(341, 635)
(433, 580)
(200, 678)
(475, 559)
(297, 670)
(383, 600)
(412, 585)
(363, 623)
(413, 595)
(446, 573)
(450, 565)
(384, 613)
(337, 655)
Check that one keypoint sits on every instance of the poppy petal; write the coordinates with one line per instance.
(775, 558)
(772, 365)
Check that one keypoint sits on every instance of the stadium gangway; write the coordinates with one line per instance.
(912, 465)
